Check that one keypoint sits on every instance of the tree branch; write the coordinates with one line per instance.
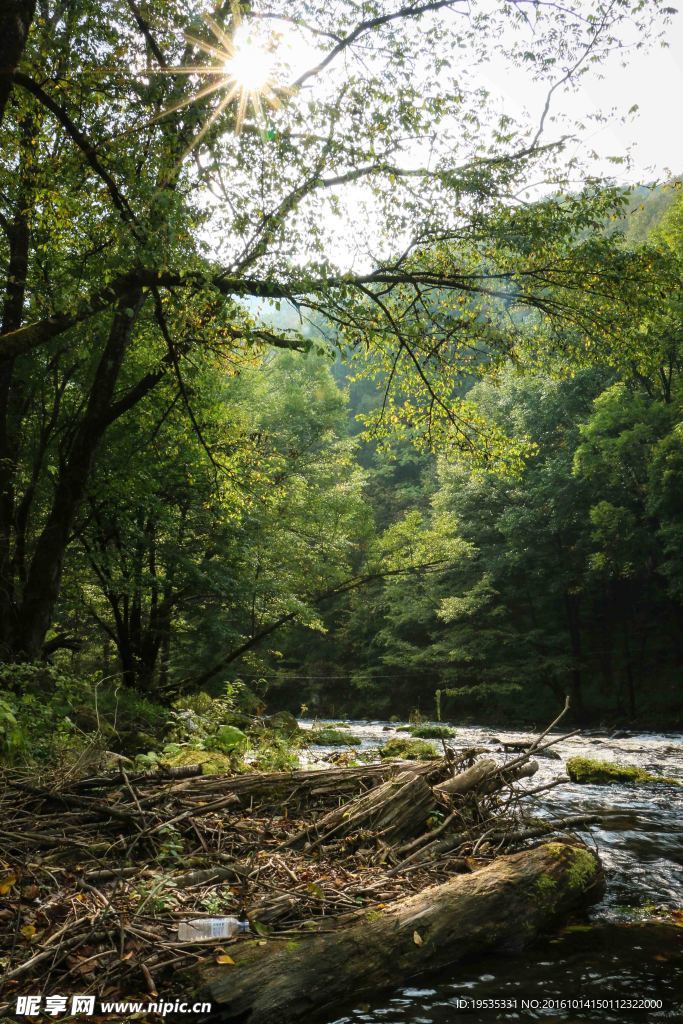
(81, 140)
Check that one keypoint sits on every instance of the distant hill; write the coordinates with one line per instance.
(647, 206)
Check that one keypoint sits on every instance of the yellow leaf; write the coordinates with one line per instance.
(224, 959)
(28, 931)
(6, 884)
(417, 938)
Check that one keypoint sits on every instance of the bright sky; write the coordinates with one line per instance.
(653, 80)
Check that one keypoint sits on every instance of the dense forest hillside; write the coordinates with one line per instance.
(565, 576)
(288, 545)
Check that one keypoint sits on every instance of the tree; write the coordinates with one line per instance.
(110, 286)
(182, 556)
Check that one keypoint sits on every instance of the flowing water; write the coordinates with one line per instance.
(629, 947)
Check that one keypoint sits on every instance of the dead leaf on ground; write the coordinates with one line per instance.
(6, 883)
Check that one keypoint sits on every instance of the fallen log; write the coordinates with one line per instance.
(469, 779)
(395, 810)
(485, 776)
(506, 903)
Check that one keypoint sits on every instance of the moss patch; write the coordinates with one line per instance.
(332, 738)
(409, 750)
(432, 732)
(212, 761)
(544, 890)
(581, 867)
(604, 773)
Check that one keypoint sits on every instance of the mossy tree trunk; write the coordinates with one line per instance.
(506, 903)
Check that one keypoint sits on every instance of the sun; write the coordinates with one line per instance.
(242, 70)
(251, 66)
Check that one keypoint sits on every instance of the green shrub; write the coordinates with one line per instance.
(12, 738)
(226, 740)
(276, 754)
(62, 718)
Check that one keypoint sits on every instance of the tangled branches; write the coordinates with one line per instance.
(99, 871)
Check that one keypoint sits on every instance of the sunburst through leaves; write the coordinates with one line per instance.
(242, 72)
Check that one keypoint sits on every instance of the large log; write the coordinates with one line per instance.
(486, 776)
(506, 903)
(395, 810)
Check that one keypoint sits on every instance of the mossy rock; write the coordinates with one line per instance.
(340, 725)
(432, 732)
(284, 722)
(405, 728)
(605, 773)
(87, 719)
(332, 738)
(240, 720)
(141, 741)
(213, 762)
(408, 750)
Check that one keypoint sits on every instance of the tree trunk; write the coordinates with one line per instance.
(44, 578)
(505, 904)
(15, 22)
(19, 240)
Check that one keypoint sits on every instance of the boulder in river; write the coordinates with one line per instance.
(433, 732)
(604, 773)
(409, 750)
(520, 746)
(285, 722)
(328, 737)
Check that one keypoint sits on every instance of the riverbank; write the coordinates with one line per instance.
(628, 944)
(123, 858)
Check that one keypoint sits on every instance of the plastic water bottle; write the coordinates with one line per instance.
(211, 928)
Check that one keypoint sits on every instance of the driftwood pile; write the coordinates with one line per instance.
(95, 874)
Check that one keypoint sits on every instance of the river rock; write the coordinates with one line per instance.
(283, 721)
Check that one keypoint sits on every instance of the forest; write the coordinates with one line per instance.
(332, 386)
(453, 480)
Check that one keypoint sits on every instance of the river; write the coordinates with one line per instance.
(627, 947)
